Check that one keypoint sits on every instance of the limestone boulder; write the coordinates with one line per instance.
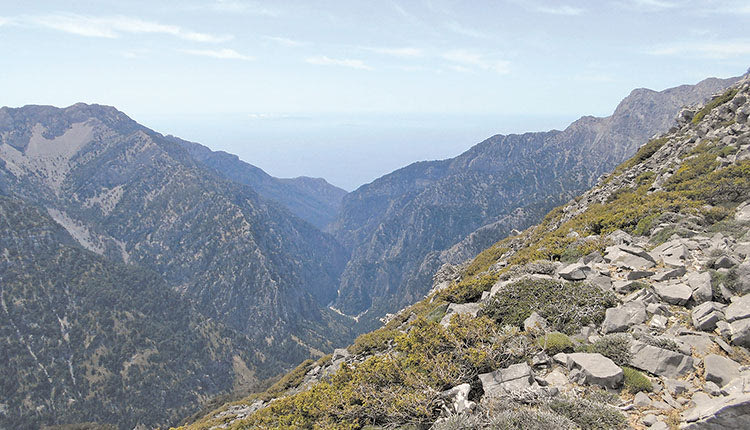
(471, 309)
(706, 315)
(517, 377)
(458, 399)
(700, 283)
(622, 317)
(726, 413)
(595, 369)
(720, 370)
(674, 294)
(574, 272)
(660, 361)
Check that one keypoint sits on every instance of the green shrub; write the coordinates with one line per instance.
(616, 347)
(437, 314)
(636, 381)
(529, 419)
(718, 101)
(373, 341)
(644, 153)
(566, 306)
(469, 289)
(555, 342)
(588, 414)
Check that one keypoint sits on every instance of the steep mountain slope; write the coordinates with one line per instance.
(627, 307)
(129, 194)
(312, 199)
(397, 226)
(83, 339)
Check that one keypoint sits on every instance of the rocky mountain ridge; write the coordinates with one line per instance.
(403, 226)
(625, 308)
(312, 199)
(134, 197)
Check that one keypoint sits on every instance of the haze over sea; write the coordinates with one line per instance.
(348, 150)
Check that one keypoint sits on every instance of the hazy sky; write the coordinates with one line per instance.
(286, 68)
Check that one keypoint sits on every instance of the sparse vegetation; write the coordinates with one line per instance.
(555, 342)
(616, 347)
(636, 381)
(713, 104)
(566, 306)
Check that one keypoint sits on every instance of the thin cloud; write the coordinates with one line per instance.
(3, 21)
(112, 27)
(223, 54)
(653, 4)
(466, 31)
(398, 52)
(323, 60)
(560, 10)
(466, 60)
(711, 50)
(284, 41)
(235, 6)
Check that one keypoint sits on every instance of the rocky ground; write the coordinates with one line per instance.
(648, 328)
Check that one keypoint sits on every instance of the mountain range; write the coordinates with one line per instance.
(627, 307)
(194, 255)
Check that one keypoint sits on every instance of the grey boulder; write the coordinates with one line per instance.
(595, 369)
(471, 309)
(517, 377)
(706, 315)
(675, 294)
(720, 369)
(574, 272)
(622, 317)
(660, 361)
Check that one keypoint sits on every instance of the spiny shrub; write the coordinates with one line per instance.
(529, 419)
(374, 341)
(567, 306)
(541, 267)
(555, 342)
(588, 414)
(469, 289)
(636, 381)
(660, 342)
(616, 347)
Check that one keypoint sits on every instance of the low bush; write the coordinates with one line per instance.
(567, 306)
(616, 347)
(555, 342)
(588, 414)
(374, 341)
(525, 418)
(660, 342)
(469, 289)
(636, 381)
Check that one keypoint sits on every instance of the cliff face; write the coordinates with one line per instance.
(130, 195)
(84, 339)
(626, 307)
(403, 226)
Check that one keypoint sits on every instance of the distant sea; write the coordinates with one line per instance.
(347, 150)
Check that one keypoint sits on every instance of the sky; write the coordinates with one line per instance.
(350, 90)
